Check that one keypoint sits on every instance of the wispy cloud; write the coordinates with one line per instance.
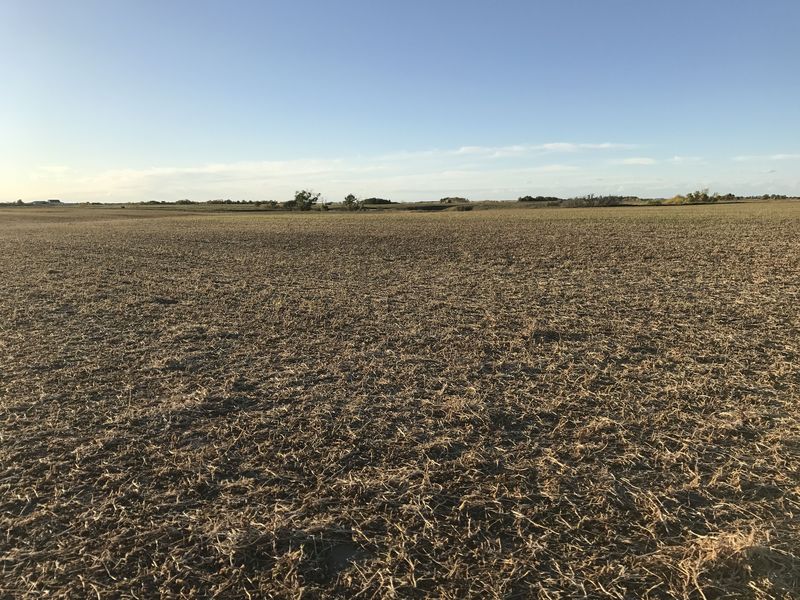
(636, 160)
(53, 169)
(570, 147)
(465, 168)
(756, 157)
(557, 168)
(682, 160)
(550, 147)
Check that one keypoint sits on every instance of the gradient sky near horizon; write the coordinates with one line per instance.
(136, 100)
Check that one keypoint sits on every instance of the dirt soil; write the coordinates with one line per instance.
(490, 404)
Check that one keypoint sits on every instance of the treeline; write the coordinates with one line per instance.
(589, 200)
(307, 200)
(702, 196)
(303, 200)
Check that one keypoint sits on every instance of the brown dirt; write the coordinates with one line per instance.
(551, 403)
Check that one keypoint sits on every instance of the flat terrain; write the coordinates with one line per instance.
(551, 403)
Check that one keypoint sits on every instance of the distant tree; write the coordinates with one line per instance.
(701, 196)
(591, 200)
(350, 202)
(538, 199)
(376, 201)
(454, 200)
(303, 200)
(19, 202)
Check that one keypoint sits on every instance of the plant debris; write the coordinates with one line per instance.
(516, 404)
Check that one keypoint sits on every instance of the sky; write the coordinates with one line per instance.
(136, 100)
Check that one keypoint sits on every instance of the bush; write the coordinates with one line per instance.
(454, 200)
(376, 201)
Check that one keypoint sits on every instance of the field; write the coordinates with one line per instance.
(547, 404)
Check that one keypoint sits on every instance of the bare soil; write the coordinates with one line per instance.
(489, 404)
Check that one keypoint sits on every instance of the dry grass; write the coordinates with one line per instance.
(547, 404)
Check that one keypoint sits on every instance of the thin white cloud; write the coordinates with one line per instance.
(685, 159)
(550, 147)
(471, 150)
(635, 160)
(755, 157)
(569, 147)
(555, 168)
(53, 169)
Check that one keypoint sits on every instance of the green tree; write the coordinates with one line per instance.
(303, 200)
(702, 196)
(350, 202)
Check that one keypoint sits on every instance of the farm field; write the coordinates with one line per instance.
(547, 404)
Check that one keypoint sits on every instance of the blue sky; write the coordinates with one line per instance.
(138, 100)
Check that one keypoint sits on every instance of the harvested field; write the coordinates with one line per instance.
(548, 404)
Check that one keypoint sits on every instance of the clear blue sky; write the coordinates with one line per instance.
(134, 100)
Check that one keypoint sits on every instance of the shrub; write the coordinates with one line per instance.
(454, 200)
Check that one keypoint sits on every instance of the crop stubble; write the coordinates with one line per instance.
(549, 403)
